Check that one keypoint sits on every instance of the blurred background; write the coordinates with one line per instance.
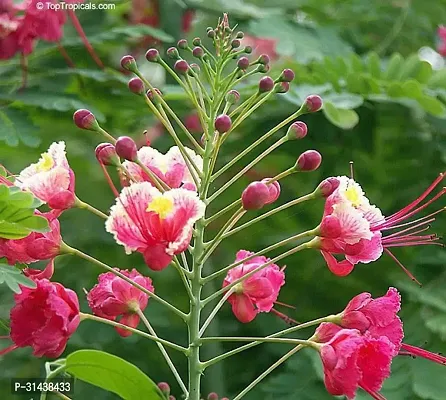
(380, 69)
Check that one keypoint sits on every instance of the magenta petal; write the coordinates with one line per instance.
(339, 268)
(243, 308)
(259, 288)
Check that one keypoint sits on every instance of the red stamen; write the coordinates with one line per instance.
(109, 180)
(417, 201)
(417, 351)
(407, 244)
(411, 228)
(411, 222)
(409, 274)
(375, 395)
(408, 238)
(284, 317)
(285, 305)
(77, 25)
(8, 349)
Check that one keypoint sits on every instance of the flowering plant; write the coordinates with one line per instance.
(164, 212)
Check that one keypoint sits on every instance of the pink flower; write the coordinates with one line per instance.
(46, 273)
(44, 318)
(351, 361)
(259, 292)
(113, 297)
(356, 229)
(158, 225)
(170, 167)
(192, 123)
(442, 45)
(36, 246)
(262, 45)
(51, 179)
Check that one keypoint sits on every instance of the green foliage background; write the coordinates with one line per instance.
(384, 108)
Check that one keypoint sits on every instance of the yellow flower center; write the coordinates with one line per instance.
(354, 196)
(45, 163)
(161, 205)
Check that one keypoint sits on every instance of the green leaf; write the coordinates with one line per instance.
(345, 119)
(438, 79)
(410, 67)
(345, 101)
(428, 379)
(13, 278)
(432, 105)
(412, 89)
(424, 73)
(17, 127)
(394, 66)
(374, 65)
(113, 374)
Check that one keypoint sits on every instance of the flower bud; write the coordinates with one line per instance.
(136, 86)
(309, 160)
(182, 44)
(287, 75)
(274, 190)
(263, 68)
(282, 87)
(297, 130)
(212, 396)
(165, 388)
(126, 148)
(223, 123)
(255, 196)
(266, 84)
(263, 59)
(129, 63)
(151, 95)
(240, 35)
(248, 50)
(85, 119)
(172, 52)
(198, 52)
(152, 55)
(243, 63)
(328, 186)
(194, 68)
(211, 34)
(63, 200)
(106, 154)
(232, 97)
(330, 227)
(196, 41)
(172, 397)
(181, 67)
(235, 44)
(313, 103)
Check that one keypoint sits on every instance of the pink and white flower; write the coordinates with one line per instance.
(351, 226)
(50, 179)
(158, 225)
(259, 292)
(113, 297)
(171, 167)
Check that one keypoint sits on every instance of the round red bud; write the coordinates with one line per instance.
(266, 84)
(309, 160)
(152, 55)
(182, 44)
(243, 63)
(85, 119)
(274, 190)
(330, 227)
(235, 43)
(181, 67)
(263, 59)
(126, 148)
(313, 103)
(282, 87)
(194, 68)
(248, 50)
(211, 34)
(136, 86)
(172, 397)
(232, 97)
(106, 154)
(129, 63)
(255, 196)
(151, 95)
(172, 52)
(328, 186)
(212, 396)
(287, 75)
(164, 387)
(198, 52)
(223, 123)
(297, 130)
(196, 41)
(263, 68)
(240, 35)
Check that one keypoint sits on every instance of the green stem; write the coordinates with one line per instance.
(133, 330)
(284, 242)
(223, 211)
(330, 318)
(257, 142)
(258, 339)
(85, 206)
(247, 168)
(299, 200)
(245, 105)
(302, 246)
(183, 277)
(107, 135)
(215, 311)
(268, 371)
(159, 184)
(65, 249)
(50, 376)
(163, 352)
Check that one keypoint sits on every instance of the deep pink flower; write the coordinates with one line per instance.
(51, 179)
(351, 361)
(442, 36)
(158, 225)
(192, 123)
(113, 297)
(259, 292)
(361, 237)
(170, 167)
(36, 246)
(46, 273)
(44, 318)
